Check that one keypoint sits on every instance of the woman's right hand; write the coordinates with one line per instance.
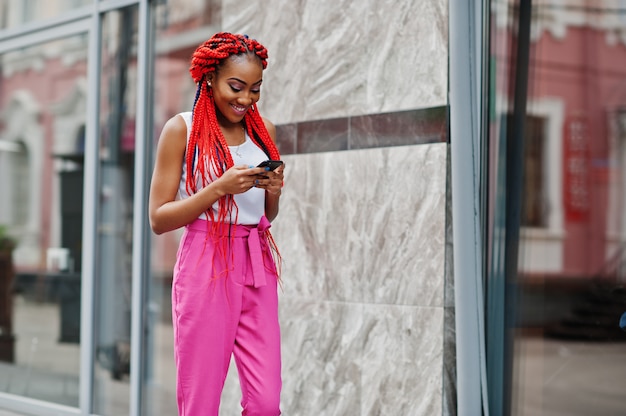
(239, 179)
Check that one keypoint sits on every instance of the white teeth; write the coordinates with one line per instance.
(238, 108)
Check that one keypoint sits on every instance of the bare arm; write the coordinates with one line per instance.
(166, 213)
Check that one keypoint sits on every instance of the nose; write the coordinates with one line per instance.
(246, 98)
(245, 101)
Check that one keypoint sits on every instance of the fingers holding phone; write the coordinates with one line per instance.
(239, 179)
(273, 181)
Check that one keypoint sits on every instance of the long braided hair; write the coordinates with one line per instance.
(207, 146)
(207, 143)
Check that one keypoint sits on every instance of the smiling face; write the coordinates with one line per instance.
(236, 86)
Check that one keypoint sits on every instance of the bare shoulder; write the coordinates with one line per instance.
(175, 126)
(271, 128)
(174, 134)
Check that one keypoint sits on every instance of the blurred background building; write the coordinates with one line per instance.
(453, 221)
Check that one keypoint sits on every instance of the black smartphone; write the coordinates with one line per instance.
(273, 164)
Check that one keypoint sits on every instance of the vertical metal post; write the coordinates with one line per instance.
(90, 198)
(141, 234)
(466, 106)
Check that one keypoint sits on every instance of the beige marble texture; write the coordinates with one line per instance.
(338, 58)
(369, 225)
(363, 236)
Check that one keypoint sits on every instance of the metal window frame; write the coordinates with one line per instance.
(468, 43)
(35, 32)
(141, 229)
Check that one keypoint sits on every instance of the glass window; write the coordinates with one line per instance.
(563, 301)
(41, 175)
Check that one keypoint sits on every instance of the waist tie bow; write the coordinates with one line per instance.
(257, 242)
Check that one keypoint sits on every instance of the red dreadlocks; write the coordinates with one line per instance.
(207, 144)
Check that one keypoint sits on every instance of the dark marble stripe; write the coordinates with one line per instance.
(323, 135)
(421, 126)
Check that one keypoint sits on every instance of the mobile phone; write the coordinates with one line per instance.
(273, 164)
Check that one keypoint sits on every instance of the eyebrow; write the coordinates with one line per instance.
(244, 82)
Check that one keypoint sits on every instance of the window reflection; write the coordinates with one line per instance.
(41, 171)
(568, 352)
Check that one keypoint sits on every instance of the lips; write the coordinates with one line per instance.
(239, 110)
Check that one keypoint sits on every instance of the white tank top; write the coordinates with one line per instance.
(250, 204)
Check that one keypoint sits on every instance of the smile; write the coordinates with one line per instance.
(239, 109)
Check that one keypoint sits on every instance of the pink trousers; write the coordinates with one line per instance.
(222, 308)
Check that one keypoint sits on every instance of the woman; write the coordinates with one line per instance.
(224, 291)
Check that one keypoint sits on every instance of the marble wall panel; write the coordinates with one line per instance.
(365, 225)
(356, 359)
(402, 360)
(365, 330)
(336, 58)
(359, 359)
(322, 356)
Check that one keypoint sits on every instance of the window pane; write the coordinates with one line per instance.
(41, 183)
(568, 293)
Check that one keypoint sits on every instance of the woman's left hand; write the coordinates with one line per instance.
(273, 184)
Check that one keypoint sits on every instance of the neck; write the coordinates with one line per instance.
(234, 134)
